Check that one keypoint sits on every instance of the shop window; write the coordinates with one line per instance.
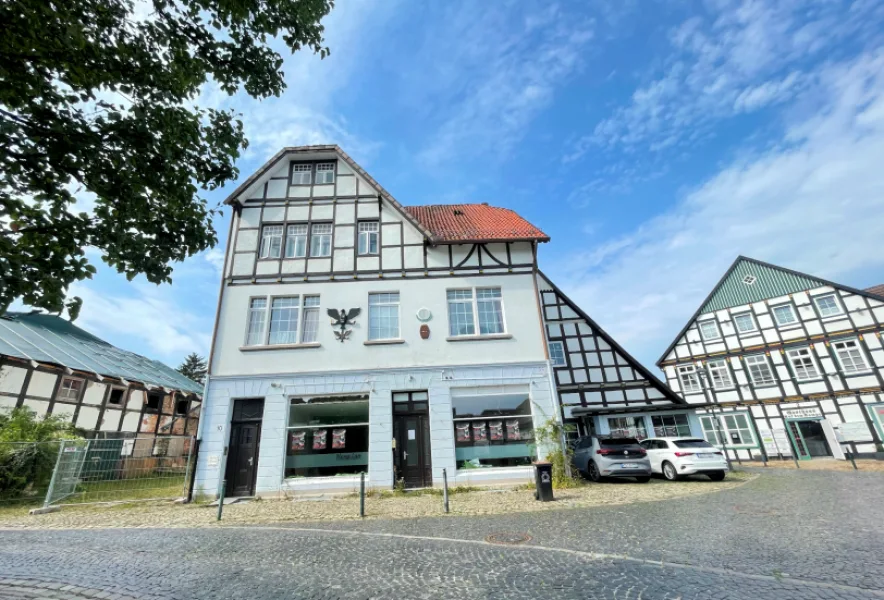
(671, 426)
(632, 427)
(735, 429)
(709, 330)
(493, 431)
(327, 437)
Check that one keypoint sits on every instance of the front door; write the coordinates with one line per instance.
(808, 438)
(245, 442)
(411, 430)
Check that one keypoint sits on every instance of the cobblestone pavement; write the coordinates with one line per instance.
(788, 534)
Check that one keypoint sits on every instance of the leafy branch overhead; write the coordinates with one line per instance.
(97, 104)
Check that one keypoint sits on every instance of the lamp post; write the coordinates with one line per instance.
(716, 418)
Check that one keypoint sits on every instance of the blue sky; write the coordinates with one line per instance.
(653, 141)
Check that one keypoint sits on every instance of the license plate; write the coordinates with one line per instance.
(629, 466)
(705, 455)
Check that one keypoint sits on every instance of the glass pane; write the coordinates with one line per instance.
(411, 442)
(497, 405)
(332, 412)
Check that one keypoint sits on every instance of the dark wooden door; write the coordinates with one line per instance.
(412, 433)
(245, 444)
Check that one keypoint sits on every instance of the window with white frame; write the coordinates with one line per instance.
(368, 237)
(310, 320)
(383, 316)
(759, 370)
(720, 375)
(671, 425)
(320, 239)
(633, 427)
(850, 356)
(69, 390)
(745, 323)
(302, 174)
(735, 429)
(284, 313)
(325, 173)
(828, 305)
(557, 354)
(803, 364)
(709, 330)
(486, 310)
(296, 241)
(271, 241)
(257, 316)
(687, 376)
(784, 314)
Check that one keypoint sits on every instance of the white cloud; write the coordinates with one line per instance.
(814, 202)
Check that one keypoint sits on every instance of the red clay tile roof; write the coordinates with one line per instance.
(878, 290)
(474, 223)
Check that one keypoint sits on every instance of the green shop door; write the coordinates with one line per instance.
(808, 438)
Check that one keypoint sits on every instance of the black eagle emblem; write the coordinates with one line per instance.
(342, 318)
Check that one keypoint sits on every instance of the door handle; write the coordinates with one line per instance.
(404, 454)
(251, 460)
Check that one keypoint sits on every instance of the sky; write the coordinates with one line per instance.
(653, 141)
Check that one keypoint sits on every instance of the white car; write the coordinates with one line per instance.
(675, 457)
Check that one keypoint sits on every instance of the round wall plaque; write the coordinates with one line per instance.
(424, 314)
(425, 331)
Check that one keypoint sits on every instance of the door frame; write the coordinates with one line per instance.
(423, 415)
(798, 454)
(236, 418)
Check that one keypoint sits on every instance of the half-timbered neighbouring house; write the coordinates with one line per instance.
(356, 335)
(792, 364)
(52, 366)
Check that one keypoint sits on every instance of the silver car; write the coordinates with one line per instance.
(598, 457)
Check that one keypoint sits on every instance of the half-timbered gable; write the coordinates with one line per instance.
(771, 341)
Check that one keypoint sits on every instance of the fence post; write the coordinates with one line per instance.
(852, 460)
(51, 489)
(445, 489)
(221, 499)
(362, 494)
(190, 478)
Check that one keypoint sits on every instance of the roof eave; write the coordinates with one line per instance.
(449, 242)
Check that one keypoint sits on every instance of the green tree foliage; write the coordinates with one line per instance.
(27, 454)
(194, 367)
(97, 97)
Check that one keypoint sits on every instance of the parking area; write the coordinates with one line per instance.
(780, 535)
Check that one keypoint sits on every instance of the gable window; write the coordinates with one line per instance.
(720, 375)
(745, 323)
(464, 313)
(557, 354)
(759, 370)
(116, 396)
(383, 316)
(302, 174)
(803, 364)
(154, 401)
(493, 431)
(687, 376)
(271, 241)
(181, 407)
(850, 356)
(671, 425)
(709, 330)
(70, 389)
(257, 314)
(368, 237)
(325, 173)
(327, 436)
(784, 315)
(827, 305)
(296, 241)
(320, 239)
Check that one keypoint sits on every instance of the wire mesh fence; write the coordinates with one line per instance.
(98, 470)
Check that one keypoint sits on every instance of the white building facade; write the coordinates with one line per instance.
(792, 365)
(356, 335)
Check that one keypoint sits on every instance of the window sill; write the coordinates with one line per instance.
(383, 342)
(852, 373)
(479, 338)
(279, 347)
(814, 380)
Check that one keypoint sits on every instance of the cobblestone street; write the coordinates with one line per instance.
(786, 534)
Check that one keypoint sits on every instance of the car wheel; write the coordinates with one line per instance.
(593, 471)
(669, 471)
(716, 475)
(642, 479)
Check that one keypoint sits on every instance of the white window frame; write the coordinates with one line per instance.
(714, 323)
(302, 174)
(764, 361)
(794, 321)
(721, 369)
(377, 303)
(260, 312)
(322, 173)
(800, 356)
(751, 320)
(291, 236)
(859, 350)
(308, 305)
(687, 372)
(320, 236)
(474, 302)
(267, 241)
(834, 297)
(365, 234)
(720, 420)
(553, 358)
(62, 389)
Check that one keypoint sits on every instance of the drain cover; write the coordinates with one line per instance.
(508, 538)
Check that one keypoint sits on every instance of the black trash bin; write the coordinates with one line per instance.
(543, 482)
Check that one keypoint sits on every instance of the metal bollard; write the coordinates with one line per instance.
(445, 489)
(795, 458)
(362, 494)
(221, 499)
(852, 460)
